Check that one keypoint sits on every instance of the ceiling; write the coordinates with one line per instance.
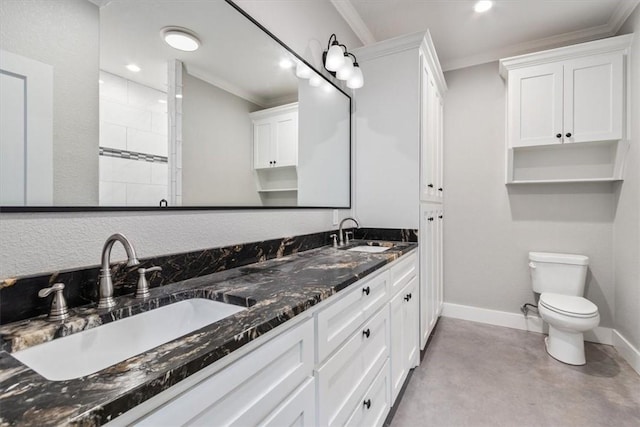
(234, 55)
(463, 37)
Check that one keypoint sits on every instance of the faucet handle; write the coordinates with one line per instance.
(59, 310)
(346, 237)
(142, 291)
(335, 241)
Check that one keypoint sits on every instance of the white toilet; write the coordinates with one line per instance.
(560, 280)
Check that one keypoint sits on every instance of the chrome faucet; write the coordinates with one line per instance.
(106, 285)
(341, 233)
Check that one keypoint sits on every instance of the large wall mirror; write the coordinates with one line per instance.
(99, 111)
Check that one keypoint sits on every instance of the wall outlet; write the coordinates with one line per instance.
(336, 218)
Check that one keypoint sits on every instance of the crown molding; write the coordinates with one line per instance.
(226, 86)
(389, 46)
(611, 44)
(100, 3)
(354, 20)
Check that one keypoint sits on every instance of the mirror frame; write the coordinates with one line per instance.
(12, 209)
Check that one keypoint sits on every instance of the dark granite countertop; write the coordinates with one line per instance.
(274, 292)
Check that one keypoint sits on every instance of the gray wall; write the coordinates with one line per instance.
(627, 222)
(323, 147)
(33, 243)
(74, 55)
(490, 228)
(217, 164)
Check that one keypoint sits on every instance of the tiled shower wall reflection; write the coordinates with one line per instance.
(133, 142)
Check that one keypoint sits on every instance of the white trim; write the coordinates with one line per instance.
(354, 20)
(226, 86)
(627, 350)
(390, 46)
(612, 44)
(621, 14)
(531, 323)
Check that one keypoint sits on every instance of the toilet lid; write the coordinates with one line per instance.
(569, 305)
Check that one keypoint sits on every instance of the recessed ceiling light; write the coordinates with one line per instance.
(181, 39)
(483, 6)
(133, 68)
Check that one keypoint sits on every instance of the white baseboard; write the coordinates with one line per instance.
(627, 351)
(531, 323)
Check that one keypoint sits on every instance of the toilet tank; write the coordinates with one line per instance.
(564, 274)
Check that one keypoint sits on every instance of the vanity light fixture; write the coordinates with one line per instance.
(285, 63)
(180, 38)
(483, 6)
(133, 68)
(342, 64)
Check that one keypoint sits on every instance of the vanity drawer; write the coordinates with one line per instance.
(345, 377)
(403, 271)
(339, 320)
(373, 407)
(247, 391)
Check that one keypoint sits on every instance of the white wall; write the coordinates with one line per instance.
(626, 242)
(34, 243)
(490, 228)
(217, 163)
(32, 29)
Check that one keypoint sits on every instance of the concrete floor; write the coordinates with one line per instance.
(474, 374)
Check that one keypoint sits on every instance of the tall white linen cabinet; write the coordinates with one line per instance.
(399, 155)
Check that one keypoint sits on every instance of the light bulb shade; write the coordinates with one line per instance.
(356, 81)
(346, 70)
(315, 80)
(181, 39)
(303, 71)
(335, 58)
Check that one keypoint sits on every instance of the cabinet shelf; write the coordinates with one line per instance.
(277, 190)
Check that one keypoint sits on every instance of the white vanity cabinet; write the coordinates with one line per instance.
(567, 112)
(272, 385)
(404, 319)
(275, 137)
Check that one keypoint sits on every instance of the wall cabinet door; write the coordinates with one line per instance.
(535, 105)
(404, 321)
(593, 98)
(431, 136)
(275, 140)
(431, 271)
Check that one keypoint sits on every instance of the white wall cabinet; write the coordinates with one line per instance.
(431, 269)
(577, 100)
(431, 110)
(275, 137)
(575, 95)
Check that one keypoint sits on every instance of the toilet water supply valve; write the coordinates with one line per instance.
(525, 308)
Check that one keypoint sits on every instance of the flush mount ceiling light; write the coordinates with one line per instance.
(483, 6)
(338, 61)
(133, 68)
(180, 38)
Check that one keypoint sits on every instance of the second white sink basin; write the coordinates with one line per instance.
(92, 350)
(370, 249)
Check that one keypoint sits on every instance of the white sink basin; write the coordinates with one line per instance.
(370, 249)
(92, 350)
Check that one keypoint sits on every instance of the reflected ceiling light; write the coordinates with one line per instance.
(303, 71)
(327, 87)
(101, 81)
(180, 38)
(162, 101)
(285, 63)
(179, 96)
(483, 6)
(338, 61)
(315, 80)
(133, 68)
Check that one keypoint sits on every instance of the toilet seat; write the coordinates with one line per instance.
(568, 305)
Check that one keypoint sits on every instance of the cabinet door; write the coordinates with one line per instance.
(247, 391)
(426, 273)
(411, 321)
(298, 410)
(372, 409)
(428, 136)
(262, 134)
(593, 98)
(286, 140)
(535, 105)
(399, 369)
(439, 252)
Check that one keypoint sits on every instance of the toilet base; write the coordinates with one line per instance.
(566, 347)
